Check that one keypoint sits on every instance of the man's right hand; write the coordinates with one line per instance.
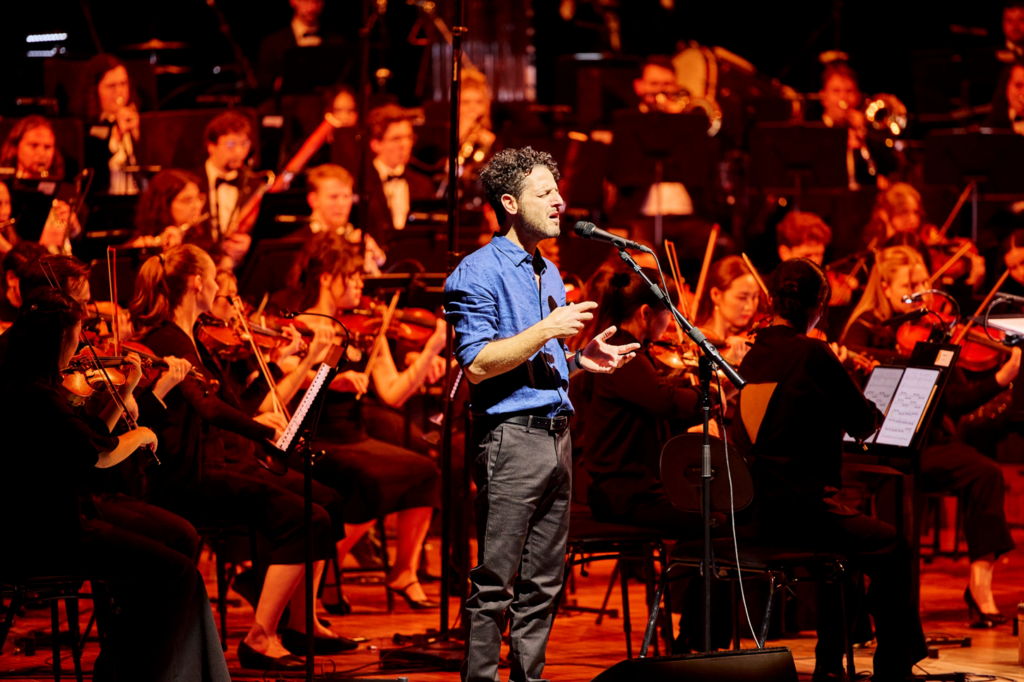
(568, 320)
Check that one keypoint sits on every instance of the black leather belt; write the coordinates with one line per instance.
(530, 421)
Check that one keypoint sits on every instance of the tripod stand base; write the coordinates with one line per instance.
(746, 665)
(444, 654)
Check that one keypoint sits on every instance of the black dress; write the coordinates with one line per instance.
(164, 627)
(792, 415)
(195, 479)
(374, 477)
(625, 415)
(946, 463)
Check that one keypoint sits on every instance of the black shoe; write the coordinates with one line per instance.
(413, 604)
(251, 659)
(295, 642)
(820, 675)
(983, 621)
(342, 608)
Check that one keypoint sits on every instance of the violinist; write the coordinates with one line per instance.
(946, 463)
(171, 210)
(7, 235)
(330, 198)
(626, 414)
(375, 477)
(164, 629)
(728, 305)
(1013, 258)
(171, 292)
(801, 234)
(112, 125)
(792, 415)
(14, 267)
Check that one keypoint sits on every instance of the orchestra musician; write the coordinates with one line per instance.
(801, 234)
(513, 353)
(1013, 259)
(226, 180)
(792, 414)
(31, 150)
(330, 198)
(1008, 99)
(112, 125)
(396, 182)
(1013, 27)
(946, 463)
(304, 30)
(164, 628)
(5, 215)
(14, 266)
(374, 476)
(195, 481)
(728, 304)
(169, 211)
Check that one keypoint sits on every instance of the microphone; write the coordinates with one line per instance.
(906, 317)
(592, 231)
(1010, 297)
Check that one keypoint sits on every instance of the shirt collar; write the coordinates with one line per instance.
(384, 171)
(514, 253)
(212, 174)
(301, 28)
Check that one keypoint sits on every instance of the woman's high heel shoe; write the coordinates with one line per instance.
(981, 620)
(413, 604)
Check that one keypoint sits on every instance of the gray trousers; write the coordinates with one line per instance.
(524, 484)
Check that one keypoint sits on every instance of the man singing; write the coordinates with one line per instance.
(507, 304)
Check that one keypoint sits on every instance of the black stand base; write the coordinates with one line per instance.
(446, 655)
(746, 665)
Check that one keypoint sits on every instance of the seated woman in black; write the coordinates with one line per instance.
(164, 629)
(195, 481)
(374, 477)
(798, 402)
(627, 413)
(946, 463)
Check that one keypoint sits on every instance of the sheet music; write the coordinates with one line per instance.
(880, 389)
(312, 392)
(908, 406)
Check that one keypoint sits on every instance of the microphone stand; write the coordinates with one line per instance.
(709, 356)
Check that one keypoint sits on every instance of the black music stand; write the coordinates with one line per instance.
(788, 159)
(988, 157)
(655, 147)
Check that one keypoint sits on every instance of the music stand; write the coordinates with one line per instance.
(988, 157)
(653, 148)
(787, 158)
(267, 267)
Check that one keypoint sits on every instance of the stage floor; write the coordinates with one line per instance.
(579, 649)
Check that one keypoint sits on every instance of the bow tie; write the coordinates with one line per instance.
(225, 181)
(389, 178)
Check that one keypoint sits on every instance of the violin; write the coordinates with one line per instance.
(414, 325)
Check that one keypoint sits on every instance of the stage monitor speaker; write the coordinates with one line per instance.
(746, 665)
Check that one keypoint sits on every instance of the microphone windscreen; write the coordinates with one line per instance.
(584, 229)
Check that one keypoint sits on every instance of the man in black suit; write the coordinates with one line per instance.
(303, 31)
(227, 181)
(393, 184)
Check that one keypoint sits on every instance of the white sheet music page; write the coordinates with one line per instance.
(312, 392)
(880, 389)
(908, 406)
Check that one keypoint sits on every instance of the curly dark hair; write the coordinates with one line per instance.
(506, 173)
(800, 291)
(153, 213)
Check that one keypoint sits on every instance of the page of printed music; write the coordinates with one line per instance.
(248, 263)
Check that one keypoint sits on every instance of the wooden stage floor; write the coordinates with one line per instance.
(580, 649)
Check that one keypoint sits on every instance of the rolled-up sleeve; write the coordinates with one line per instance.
(471, 308)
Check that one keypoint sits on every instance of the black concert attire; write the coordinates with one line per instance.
(798, 402)
(623, 433)
(163, 628)
(374, 477)
(947, 464)
(244, 184)
(110, 178)
(196, 480)
(380, 222)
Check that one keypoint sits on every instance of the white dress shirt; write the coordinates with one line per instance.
(396, 191)
(223, 199)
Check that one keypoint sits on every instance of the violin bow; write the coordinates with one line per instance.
(275, 400)
(115, 323)
(956, 209)
(757, 278)
(964, 248)
(705, 266)
(673, 265)
(984, 304)
(381, 338)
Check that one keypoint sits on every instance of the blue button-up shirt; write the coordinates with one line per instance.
(493, 295)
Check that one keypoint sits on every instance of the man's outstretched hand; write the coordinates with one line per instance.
(604, 358)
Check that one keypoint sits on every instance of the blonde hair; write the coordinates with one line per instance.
(328, 171)
(162, 281)
(893, 200)
(887, 263)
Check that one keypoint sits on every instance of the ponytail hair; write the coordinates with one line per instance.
(800, 292)
(162, 281)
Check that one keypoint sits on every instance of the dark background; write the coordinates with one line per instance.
(782, 40)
